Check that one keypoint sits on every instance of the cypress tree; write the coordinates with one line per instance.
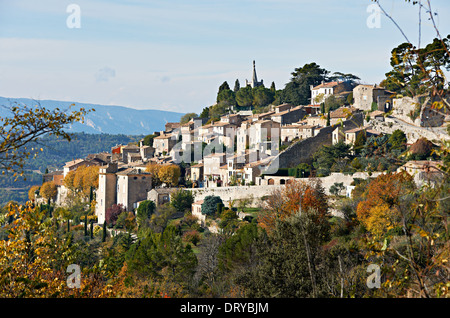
(237, 86)
(85, 225)
(92, 230)
(104, 232)
(272, 87)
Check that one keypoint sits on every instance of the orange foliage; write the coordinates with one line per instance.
(82, 179)
(380, 209)
(286, 202)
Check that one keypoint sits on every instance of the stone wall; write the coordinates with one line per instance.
(302, 151)
(412, 132)
(417, 111)
(228, 194)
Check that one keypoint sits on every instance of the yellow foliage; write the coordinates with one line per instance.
(31, 192)
(381, 219)
(33, 261)
(169, 174)
(48, 190)
(82, 179)
(153, 168)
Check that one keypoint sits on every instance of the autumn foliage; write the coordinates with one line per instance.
(168, 173)
(82, 179)
(48, 190)
(288, 200)
(380, 210)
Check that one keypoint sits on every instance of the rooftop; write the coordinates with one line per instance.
(326, 85)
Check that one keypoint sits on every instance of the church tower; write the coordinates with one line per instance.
(254, 82)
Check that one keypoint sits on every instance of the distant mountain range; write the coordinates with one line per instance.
(105, 119)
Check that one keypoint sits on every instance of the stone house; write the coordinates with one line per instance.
(163, 144)
(253, 170)
(282, 107)
(197, 172)
(290, 132)
(73, 165)
(132, 187)
(262, 131)
(160, 195)
(342, 114)
(352, 134)
(320, 92)
(365, 95)
(234, 119)
(292, 115)
(338, 135)
(197, 212)
(172, 126)
(126, 186)
(129, 149)
(212, 164)
(133, 158)
(56, 176)
(261, 116)
(146, 152)
(315, 120)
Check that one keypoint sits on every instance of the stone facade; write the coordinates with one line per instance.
(302, 151)
(132, 186)
(365, 95)
(120, 186)
(417, 111)
(292, 115)
(160, 195)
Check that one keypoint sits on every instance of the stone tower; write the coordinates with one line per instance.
(107, 190)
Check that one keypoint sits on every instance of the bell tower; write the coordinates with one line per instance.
(254, 82)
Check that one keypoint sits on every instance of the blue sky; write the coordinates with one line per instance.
(174, 54)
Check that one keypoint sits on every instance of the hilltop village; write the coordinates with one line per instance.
(247, 154)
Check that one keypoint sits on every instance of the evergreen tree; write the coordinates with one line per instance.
(104, 232)
(209, 206)
(237, 86)
(85, 225)
(272, 88)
